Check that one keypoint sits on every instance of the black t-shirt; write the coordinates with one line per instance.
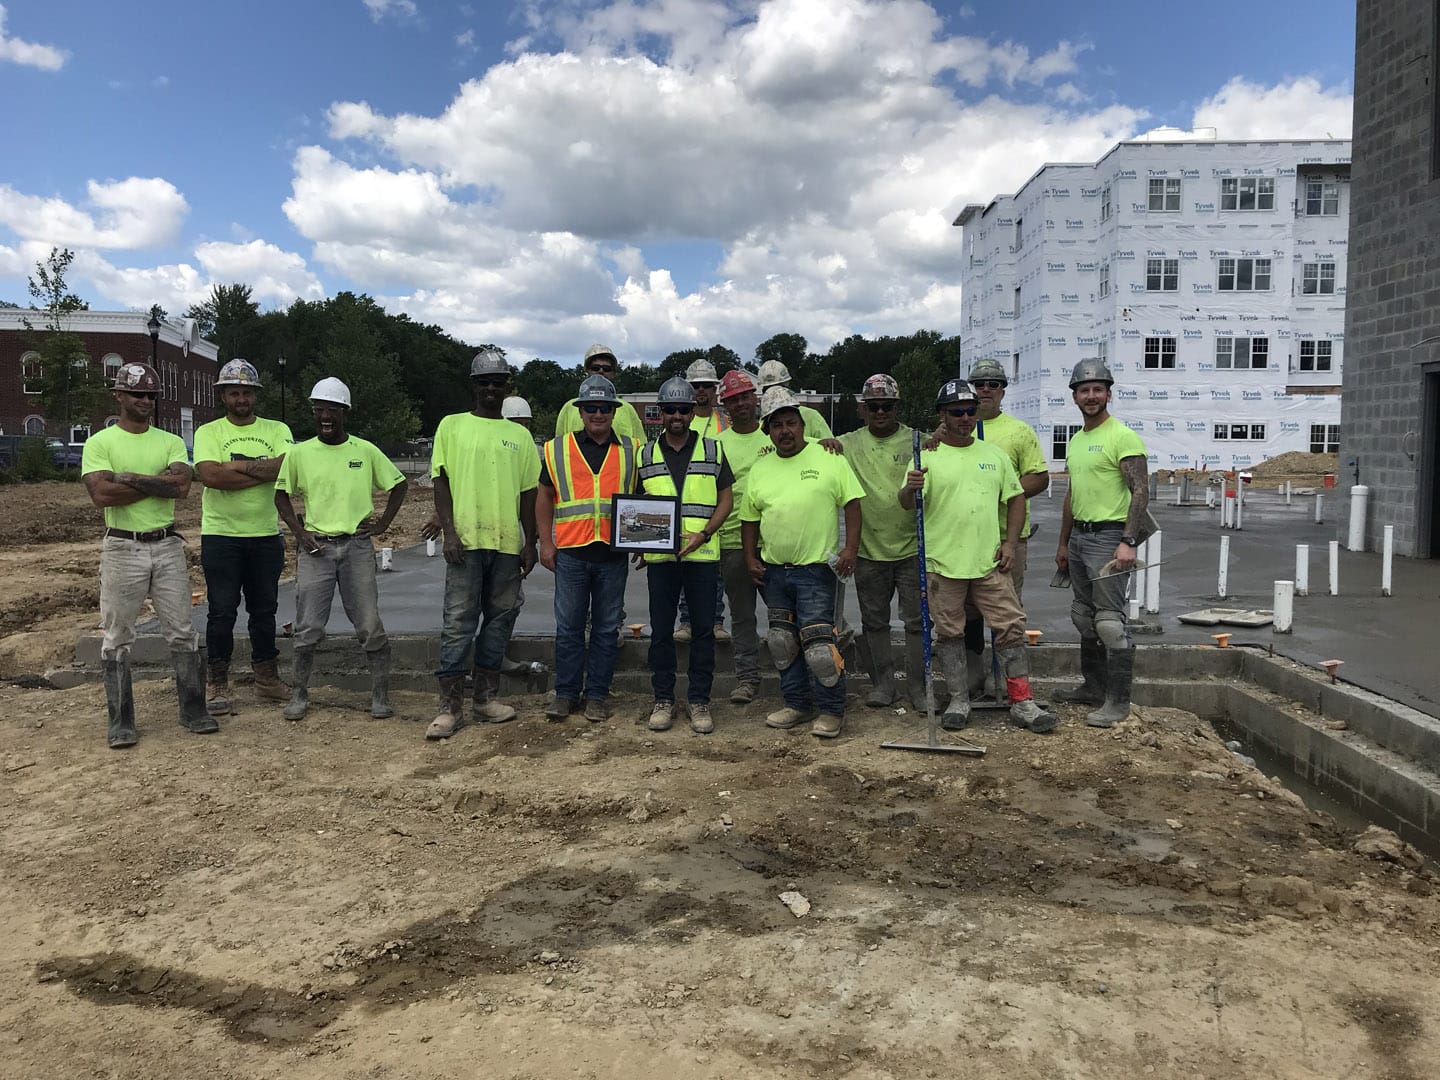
(677, 461)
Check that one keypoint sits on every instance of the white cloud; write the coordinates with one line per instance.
(138, 212)
(1298, 109)
(28, 54)
(466, 40)
(399, 9)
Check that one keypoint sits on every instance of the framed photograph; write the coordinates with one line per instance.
(645, 523)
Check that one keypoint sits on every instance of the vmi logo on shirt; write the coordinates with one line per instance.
(509, 445)
(987, 466)
(357, 464)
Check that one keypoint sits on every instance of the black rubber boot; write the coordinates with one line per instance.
(379, 662)
(190, 689)
(882, 669)
(120, 704)
(952, 660)
(300, 684)
(1092, 669)
(1120, 675)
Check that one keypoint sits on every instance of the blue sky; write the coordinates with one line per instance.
(542, 174)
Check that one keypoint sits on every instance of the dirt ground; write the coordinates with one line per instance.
(338, 898)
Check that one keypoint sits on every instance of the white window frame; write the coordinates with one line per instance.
(1104, 279)
(1162, 275)
(1245, 275)
(1159, 354)
(1228, 351)
(31, 372)
(1060, 436)
(1228, 432)
(1317, 279)
(1324, 438)
(1164, 194)
(1321, 355)
(1322, 198)
(1258, 191)
(1102, 351)
(83, 429)
(36, 421)
(1105, 203)
(111, 365)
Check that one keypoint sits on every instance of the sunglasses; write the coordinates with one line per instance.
(988, 384)
(148, 395)
(969, 411)
(676, 410)
(881, 406)
(604, 410)
(603, 369)
(492, 381)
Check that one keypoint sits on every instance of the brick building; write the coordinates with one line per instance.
(1390, 420)
(185, 361)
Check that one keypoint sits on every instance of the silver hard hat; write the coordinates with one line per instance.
(489, 362)
(1092, 370)
(597, 388)
(675, 391)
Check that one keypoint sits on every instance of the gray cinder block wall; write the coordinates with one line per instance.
(1393, 297)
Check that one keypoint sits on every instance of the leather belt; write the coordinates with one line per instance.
(335, 539)
(1097, 526)
(144, 537)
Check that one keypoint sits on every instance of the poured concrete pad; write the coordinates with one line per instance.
(1228, 616)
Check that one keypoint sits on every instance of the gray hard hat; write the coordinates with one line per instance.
(1092, 370)
(989, 369)
(675, 391)
(597, 388)
(701, 371)
(599, 350)
(954, 391)
(489, 362)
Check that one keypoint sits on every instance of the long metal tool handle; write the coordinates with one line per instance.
(932, 723)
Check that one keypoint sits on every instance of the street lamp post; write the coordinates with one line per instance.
(154, 327)
(282, 388)
(832, 402)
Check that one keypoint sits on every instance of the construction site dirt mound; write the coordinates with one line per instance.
(1295, 463)
(338, 897)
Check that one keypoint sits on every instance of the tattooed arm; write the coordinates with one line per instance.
(238, 475)
(1137, 479)
(173, 483)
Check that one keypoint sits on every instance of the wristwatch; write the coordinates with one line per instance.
(1133, 541)
(707, 534)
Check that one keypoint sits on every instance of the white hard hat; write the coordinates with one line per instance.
(331, 390)
(515, 408)
(773, 373)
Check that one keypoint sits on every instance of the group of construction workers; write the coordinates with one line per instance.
(758, 487)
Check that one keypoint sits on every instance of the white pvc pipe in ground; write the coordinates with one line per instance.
(1387, 561)
(1287, 492)
(1359, 501)
(386, 556)
(430, 548)
(1284, 606)
(1302, 569)
(1334, 567)
(1222, 591)
(1319, 507)
(1210, 498)
(1227, 513)
(1153, 557)
(1238, 517)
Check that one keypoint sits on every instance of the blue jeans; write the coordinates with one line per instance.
(347, 565)
(487, 583)
(597, 589)
(697, 581)
(235, 564)
(806, 594)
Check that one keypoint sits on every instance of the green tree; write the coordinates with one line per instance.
(72, 388)
(919, 374)
(228, 318)
(380, 411)
(789, 349)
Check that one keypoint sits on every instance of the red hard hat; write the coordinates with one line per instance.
(735, 383)
(137, 378)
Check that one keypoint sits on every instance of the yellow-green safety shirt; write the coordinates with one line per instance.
(490, 464)
(244, 511)
(149, 453)
(796, 501)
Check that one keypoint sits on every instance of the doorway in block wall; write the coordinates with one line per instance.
(1427, 443)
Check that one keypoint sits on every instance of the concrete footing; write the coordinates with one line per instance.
(1379, 758)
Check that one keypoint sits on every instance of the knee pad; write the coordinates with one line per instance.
(821, 656)
(782, 639)
(1084, 620)
(1110, 629)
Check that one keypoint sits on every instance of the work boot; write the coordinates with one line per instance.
(744, 693)
(217, 689)
(190, 689)
(882, 670)
(120, 704)
(267, 681)
(952, 660)
(975, 674)
(1120, 674)
(300, 692)
(596, 710)
(721, 634)
(451, 716)
(559, 708)
(1029, 715)
(379, 662)
(1024, 711)
(1092, 669)
(682, 633)
(487, 708)
(662, 715)
(787, 718)
(701, 722)
(827, 726)
(915, 670)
